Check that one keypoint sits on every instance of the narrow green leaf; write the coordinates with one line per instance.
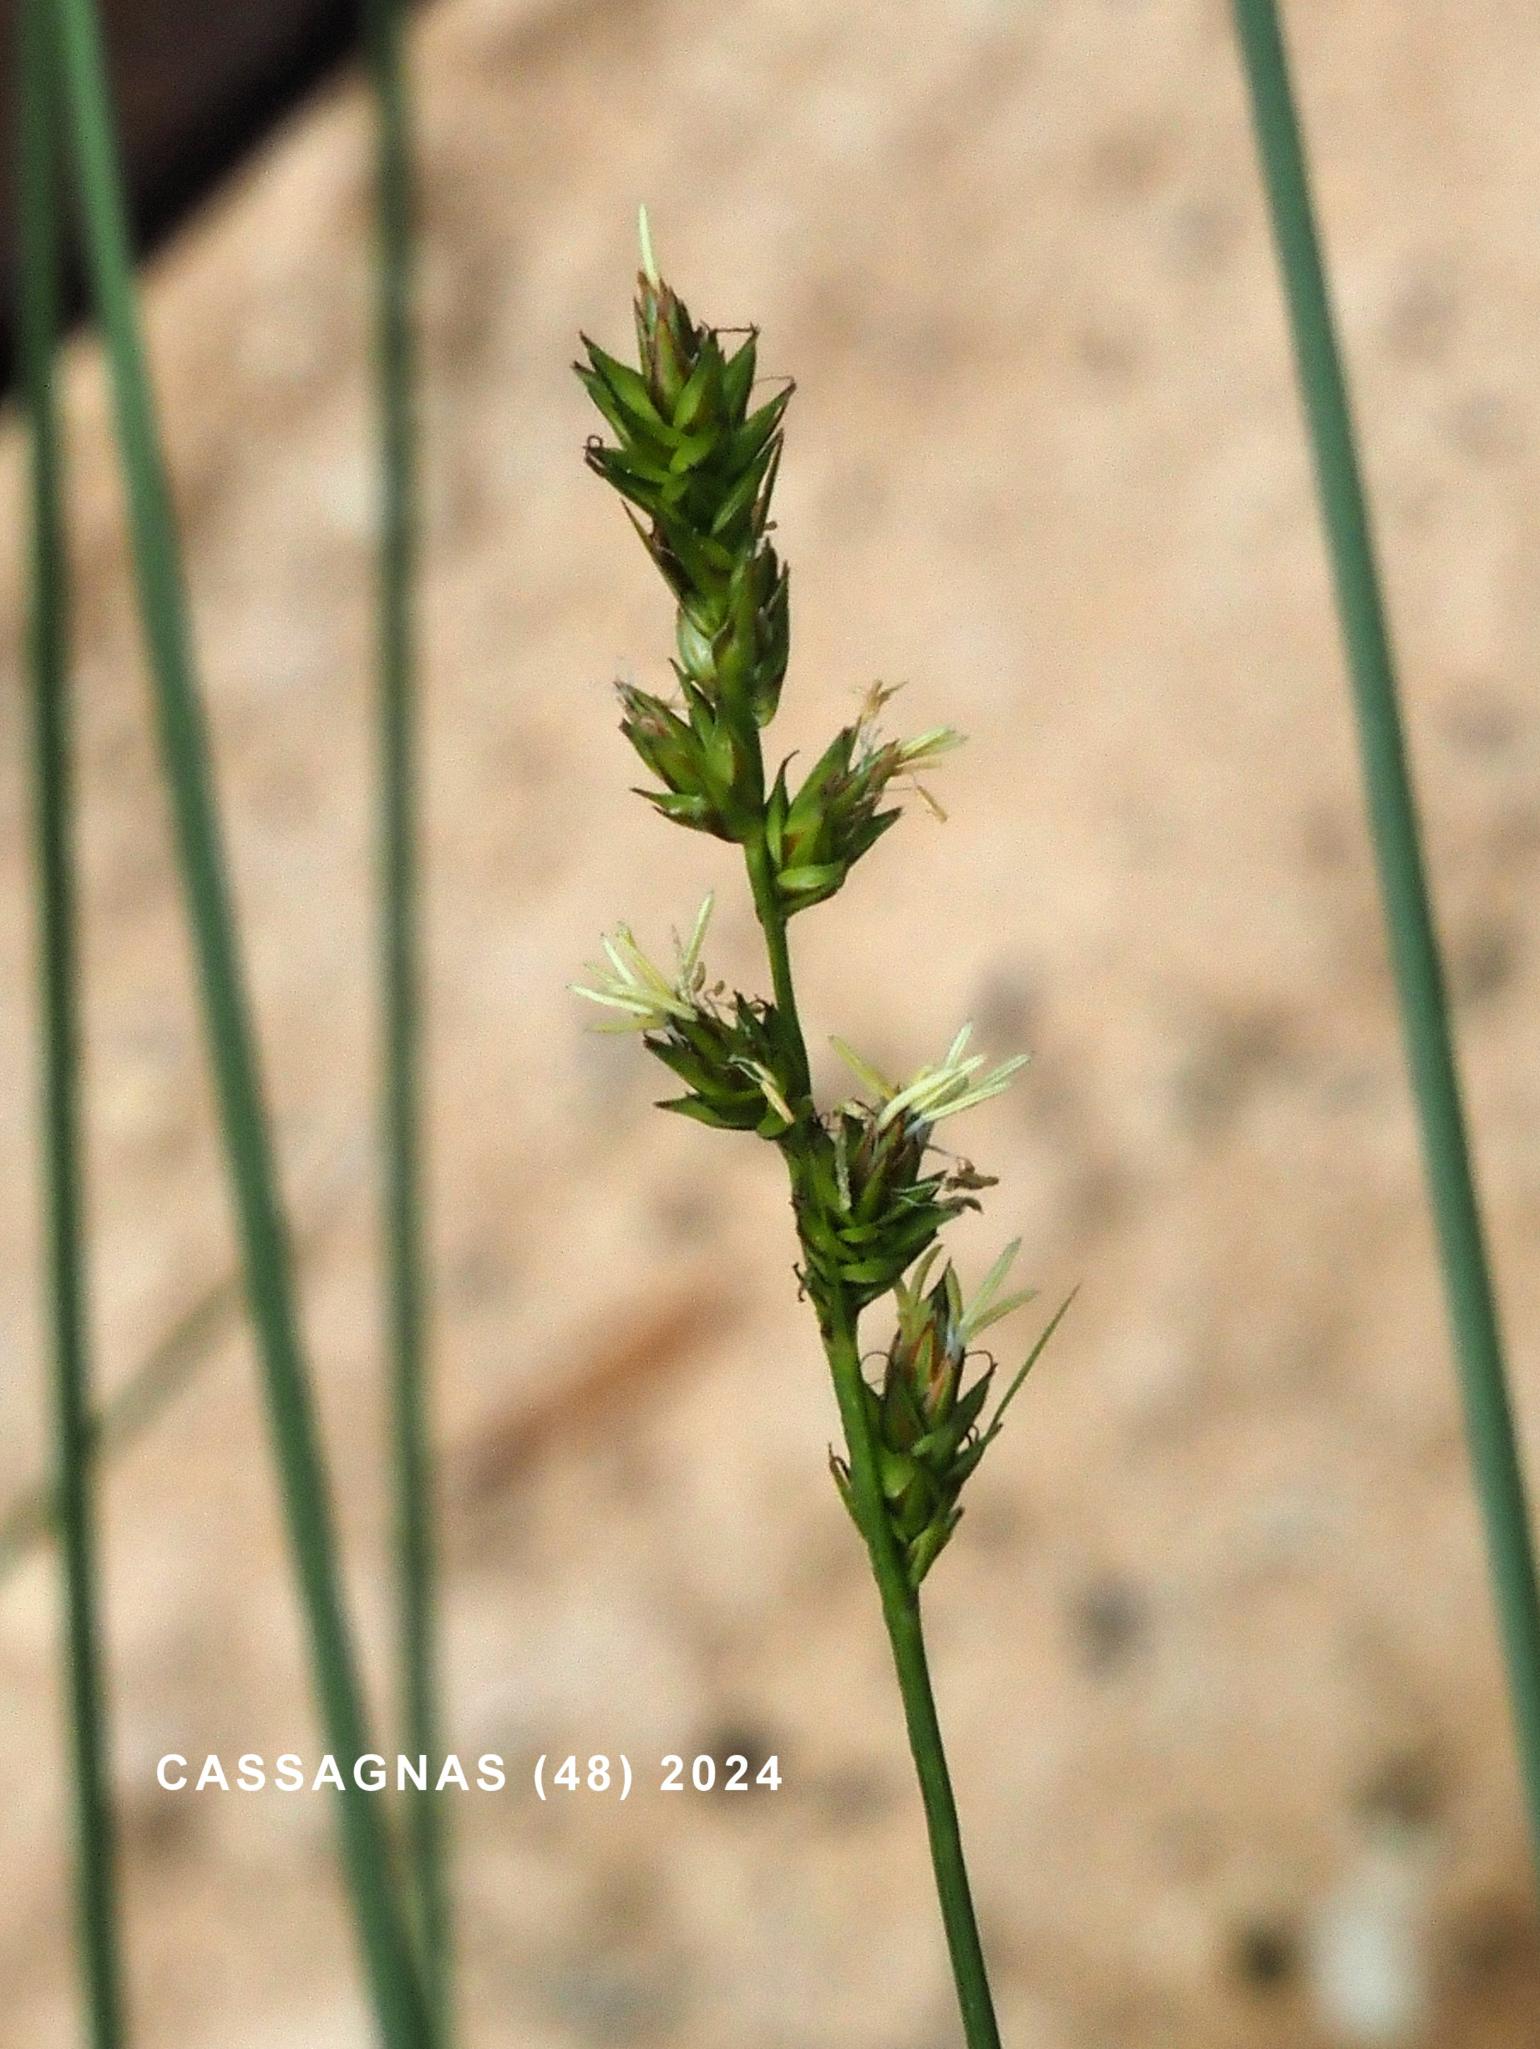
(1026, 1366)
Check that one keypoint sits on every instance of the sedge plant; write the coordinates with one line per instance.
(694, 451)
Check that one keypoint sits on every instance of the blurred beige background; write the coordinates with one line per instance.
(1213, 1646)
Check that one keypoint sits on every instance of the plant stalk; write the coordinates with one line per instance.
(96, 1890)
(1414, 947)
(390, 1969)
(772, 922)
(405, 1264)
(900, 1602)
(901, 1613)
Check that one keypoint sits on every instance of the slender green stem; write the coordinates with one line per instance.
(901, 1613)
(58, 969)
(400, 1122)
(1403, 879)
(900, 1602)
(392, 1976)
(772, 922)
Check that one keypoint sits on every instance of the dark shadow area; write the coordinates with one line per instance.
(196, 87)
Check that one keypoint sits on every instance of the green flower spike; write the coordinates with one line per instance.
(868, 1205)
(726, 1057)
(817, 836)
(694, 459)
(925, 1421)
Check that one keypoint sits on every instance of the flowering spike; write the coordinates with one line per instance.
(695, 461)
(698, 467)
